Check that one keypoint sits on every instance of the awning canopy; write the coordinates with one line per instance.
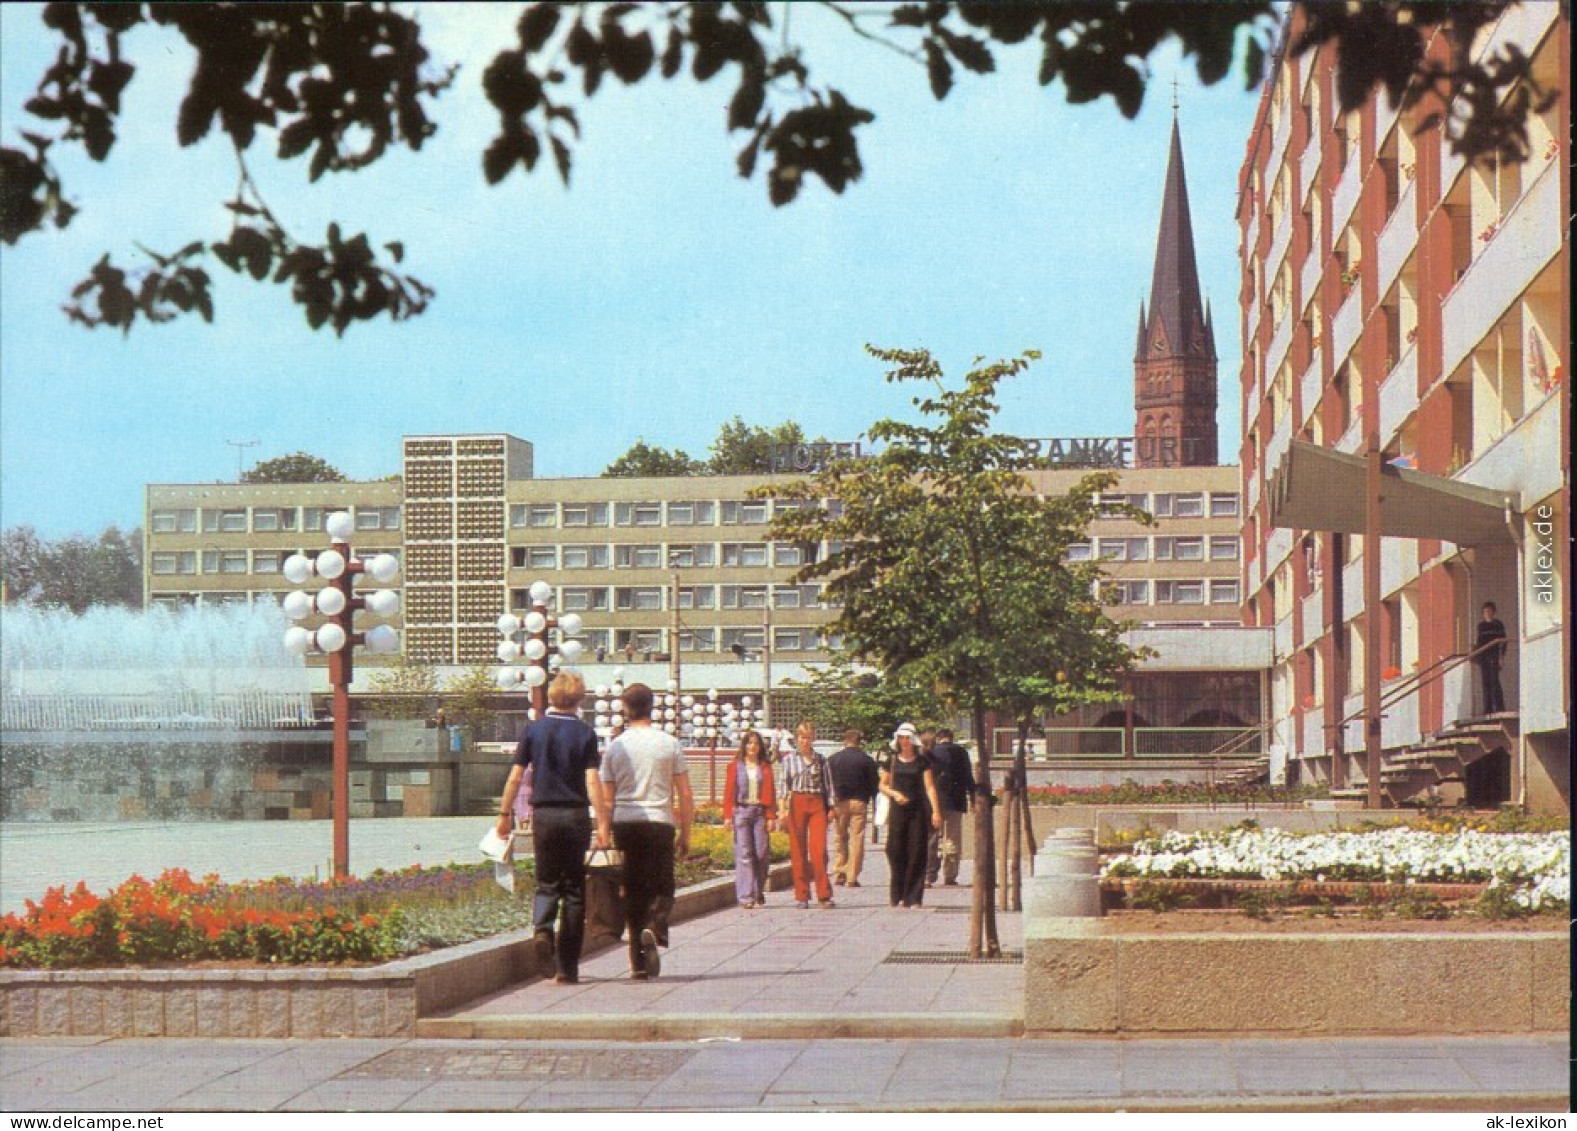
(1316, 488)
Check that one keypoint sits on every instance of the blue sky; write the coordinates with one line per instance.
(656, 297)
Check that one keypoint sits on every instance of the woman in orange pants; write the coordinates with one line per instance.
(804, 800)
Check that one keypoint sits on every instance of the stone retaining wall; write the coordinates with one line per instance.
(1080, 976)
(310, 1002)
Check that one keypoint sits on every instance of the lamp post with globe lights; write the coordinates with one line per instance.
(535, 647)
(337, 637)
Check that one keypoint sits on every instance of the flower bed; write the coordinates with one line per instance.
(176, 919)
(1172, 793)
(1532, 871)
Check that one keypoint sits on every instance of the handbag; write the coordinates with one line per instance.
(884, 807)
(607, 862)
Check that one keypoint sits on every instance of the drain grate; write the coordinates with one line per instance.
(950, 958)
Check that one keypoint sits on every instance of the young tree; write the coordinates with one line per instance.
(405, 689)
(645, 459)
(951, 572)
(298, 467)
(469, 698)
(839, 696)
(74, 573)
(340, 84)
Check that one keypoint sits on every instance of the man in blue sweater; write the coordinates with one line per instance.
(562, 753)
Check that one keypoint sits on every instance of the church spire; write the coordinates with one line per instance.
(1175, 360)
(1177, 319)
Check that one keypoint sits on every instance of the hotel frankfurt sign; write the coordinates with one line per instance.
(1077, 451)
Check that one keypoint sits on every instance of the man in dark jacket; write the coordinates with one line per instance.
(562, 753)
(1491, 638)
(955, 783)
(854, 781)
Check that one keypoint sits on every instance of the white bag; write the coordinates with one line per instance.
(883, 810)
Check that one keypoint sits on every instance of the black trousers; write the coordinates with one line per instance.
(560, 838)
(908, 834)
(1489, 676)
(648, 850)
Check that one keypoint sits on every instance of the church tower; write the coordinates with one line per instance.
(1175, 357)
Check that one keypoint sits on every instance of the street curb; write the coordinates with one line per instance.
(734, 1026)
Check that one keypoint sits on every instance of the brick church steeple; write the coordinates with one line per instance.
(1175, 356)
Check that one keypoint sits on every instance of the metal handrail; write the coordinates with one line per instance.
(1418, 679)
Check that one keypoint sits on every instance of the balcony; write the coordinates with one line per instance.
(1283, 643)
(1277, 547)
(1309, 165)
(1346, 196)
(1399, 396)
(1313, 733)
(1280, 437)
(1280, 341)
(1280, 135)
(1539, 683)
(1346, 324)
(1399, 723)
(1352, 588)
(1527, 459)
(1309, 388)
(1279, 243)
(1398, 565)
(1522, 26)
(1528, 238)
(1312, 617)
(1309, 279)
(1251, 494)
(1398, 238)
(1353, 437)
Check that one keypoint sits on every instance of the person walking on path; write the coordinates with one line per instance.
(1490, 631)
(804, 800)
(911, 787)
(750, 809)
(561, 753)
(645, 772)
(854, 785)
(955, 783)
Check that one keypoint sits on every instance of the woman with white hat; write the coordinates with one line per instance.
(911, 787)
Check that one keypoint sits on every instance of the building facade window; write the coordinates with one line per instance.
(1079, 552)
(638, 598)
(744, 596)
(637, 514)
(1179, 592)
(745, 554)
(224, 561)
(698, 597)
(178, 562)
(697, 640)
(312, 518)
(688, 555)
(744, 512)
(1224, 593)
(533, 557)
(267, 561)
(175, 520)
(585, 514)
(794, 639)
(594, 556)
(1128, 591)
(789, 554)
(1224, 548)
(1224, 505)
(637, 556)
(269, 520)
(1125, 549)
(536, 516)
(583, 598)
(1180, 549)
(224, 521)
(749, 639)
(694, 513)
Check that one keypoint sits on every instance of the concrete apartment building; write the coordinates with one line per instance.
(1406, 350)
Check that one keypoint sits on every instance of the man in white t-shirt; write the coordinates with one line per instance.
(646, 777)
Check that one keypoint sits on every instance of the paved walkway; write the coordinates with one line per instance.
(1490, 1074)
(928, 1035)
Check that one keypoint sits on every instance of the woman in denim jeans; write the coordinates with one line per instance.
(749, 805)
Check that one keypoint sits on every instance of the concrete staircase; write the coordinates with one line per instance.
(1438, 768)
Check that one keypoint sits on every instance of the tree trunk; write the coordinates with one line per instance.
(1029, 824)
(982, 909)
